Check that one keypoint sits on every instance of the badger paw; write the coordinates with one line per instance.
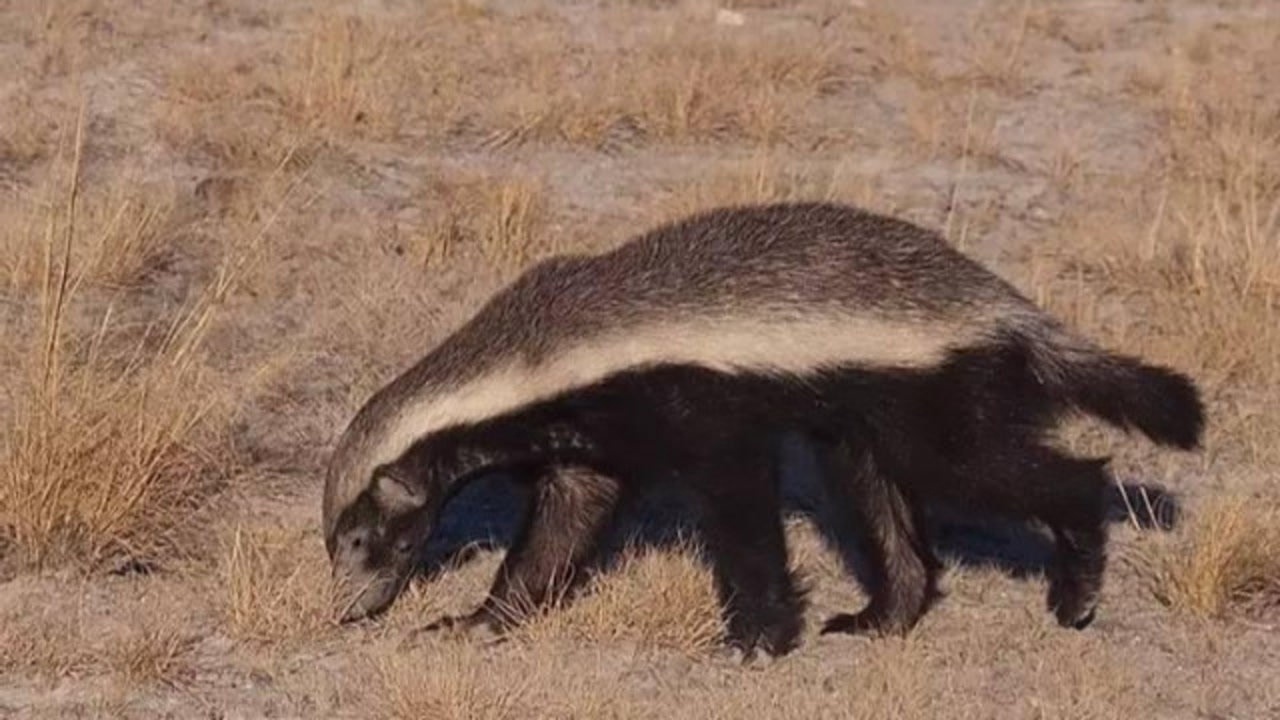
(861, 623)
(748, 656)
(479, 626)
(1073, 604)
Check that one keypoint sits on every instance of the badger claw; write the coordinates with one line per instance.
(478, 626)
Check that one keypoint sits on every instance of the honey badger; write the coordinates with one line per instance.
(685, 354)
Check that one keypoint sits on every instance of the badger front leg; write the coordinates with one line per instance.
(902, 566)
(743, 526)
(568, 511)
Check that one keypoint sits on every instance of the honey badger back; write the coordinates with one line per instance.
(683, 353)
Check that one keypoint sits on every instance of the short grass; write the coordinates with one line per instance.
(1226, 562)
(650, 599)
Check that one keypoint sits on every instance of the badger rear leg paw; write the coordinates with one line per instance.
(1075, 581)
(1075, 512)
(1074, 605)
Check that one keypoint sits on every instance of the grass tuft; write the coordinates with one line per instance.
(115, 238)
(764, 178)
(504, 220)
(155, 652)
(44, 644)
(453, 684)
(1227, 561)
(653, 599)
(277, 585)
(109, 451)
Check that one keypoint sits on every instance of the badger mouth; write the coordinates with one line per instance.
(371, 598)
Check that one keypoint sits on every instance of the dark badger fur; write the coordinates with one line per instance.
(686, 354)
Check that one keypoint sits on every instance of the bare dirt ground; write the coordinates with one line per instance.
(223, 223)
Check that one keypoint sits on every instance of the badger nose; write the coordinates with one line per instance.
(352, 613)
(370, 600)
(360, 607)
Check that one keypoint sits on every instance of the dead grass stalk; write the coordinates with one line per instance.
(1226, 561)
(653, 599)
(277, 586)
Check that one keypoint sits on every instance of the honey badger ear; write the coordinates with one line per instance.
(396, 491)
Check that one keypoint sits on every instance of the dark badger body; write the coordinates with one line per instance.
(687, 354)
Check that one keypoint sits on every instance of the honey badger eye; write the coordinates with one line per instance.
(403, 546)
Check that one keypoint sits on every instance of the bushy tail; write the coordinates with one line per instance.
(1162, 404)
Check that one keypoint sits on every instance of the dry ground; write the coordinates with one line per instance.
(223, 223)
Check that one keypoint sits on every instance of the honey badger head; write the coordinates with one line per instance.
(373, 542)
(781, 290)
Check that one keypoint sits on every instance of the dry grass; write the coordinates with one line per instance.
(1198, 248)
(998, 56)
(652, 599)
(896, 47)
(220, 111)
(502, 221)
(108, 452)
(452, 684)
(277, 586)
(766, 177)
(509, 221)
(62, 36)
(58, 635)
(1199, 251)
(46, 643)
(30, 130)
(890, 680)
(155, 651)
(1083, 32)
(335, 83)
(955, 122)
(115, 237)
(685, 85)
(1226, 561)
(444, 72)
(341, 79)
(344, 73)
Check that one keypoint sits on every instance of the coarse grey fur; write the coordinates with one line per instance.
(918, 371)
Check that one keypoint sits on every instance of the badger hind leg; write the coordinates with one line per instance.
(1078, 524)
(742, 524)
(903, 569)
(568, 512)
(1024, 480)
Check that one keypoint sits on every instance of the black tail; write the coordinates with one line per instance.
(1162, 404)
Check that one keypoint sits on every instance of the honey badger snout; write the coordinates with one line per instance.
(369, 598)
(367, 581)
(375, 545)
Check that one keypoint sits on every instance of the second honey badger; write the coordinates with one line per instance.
(683, 355)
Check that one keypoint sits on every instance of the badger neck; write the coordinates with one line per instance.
(449, 459)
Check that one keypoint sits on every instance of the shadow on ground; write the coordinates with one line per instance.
(487, 514)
